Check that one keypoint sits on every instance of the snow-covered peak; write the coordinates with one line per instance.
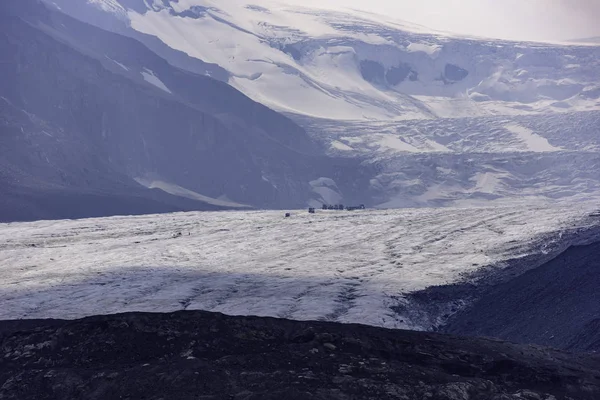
(355, 65)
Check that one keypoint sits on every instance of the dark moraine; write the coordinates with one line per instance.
(201, 355)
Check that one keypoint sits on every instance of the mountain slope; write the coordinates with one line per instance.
(102, 16)
(534, 307)
(85, 110)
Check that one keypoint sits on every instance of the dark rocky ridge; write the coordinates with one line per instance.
(200, 355)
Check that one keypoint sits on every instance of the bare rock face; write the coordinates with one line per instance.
(201, 355)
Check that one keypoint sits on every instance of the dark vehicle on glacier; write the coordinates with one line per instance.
(340, 207)
(353, 208)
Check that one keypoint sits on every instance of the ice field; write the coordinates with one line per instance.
(334, 265)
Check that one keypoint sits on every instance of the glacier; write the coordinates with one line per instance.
(336, 266)
(351, 65)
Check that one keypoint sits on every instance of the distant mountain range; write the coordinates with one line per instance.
(587, 40)
(187, 355)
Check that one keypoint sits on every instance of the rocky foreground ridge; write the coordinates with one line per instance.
(201, 355)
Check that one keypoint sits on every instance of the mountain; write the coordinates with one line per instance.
(440, 120)
(192, 355)
(94, 123)
(592, 40)
(355, 65)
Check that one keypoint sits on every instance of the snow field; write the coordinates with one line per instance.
(311, 62)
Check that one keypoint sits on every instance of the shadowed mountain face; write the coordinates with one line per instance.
(85, 113)
(192, 355)
(557, 304)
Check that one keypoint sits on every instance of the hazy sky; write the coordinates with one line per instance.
(510, 19)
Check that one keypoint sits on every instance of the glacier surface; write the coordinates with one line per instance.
(335, 266)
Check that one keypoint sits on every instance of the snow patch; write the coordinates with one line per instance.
(177, 190)
(533, 141)
(430, 49)
(395, 143)
(152, 79)
(336, 144)
(327, 189)
(111, 6)
(487, 182)
(118, 63)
